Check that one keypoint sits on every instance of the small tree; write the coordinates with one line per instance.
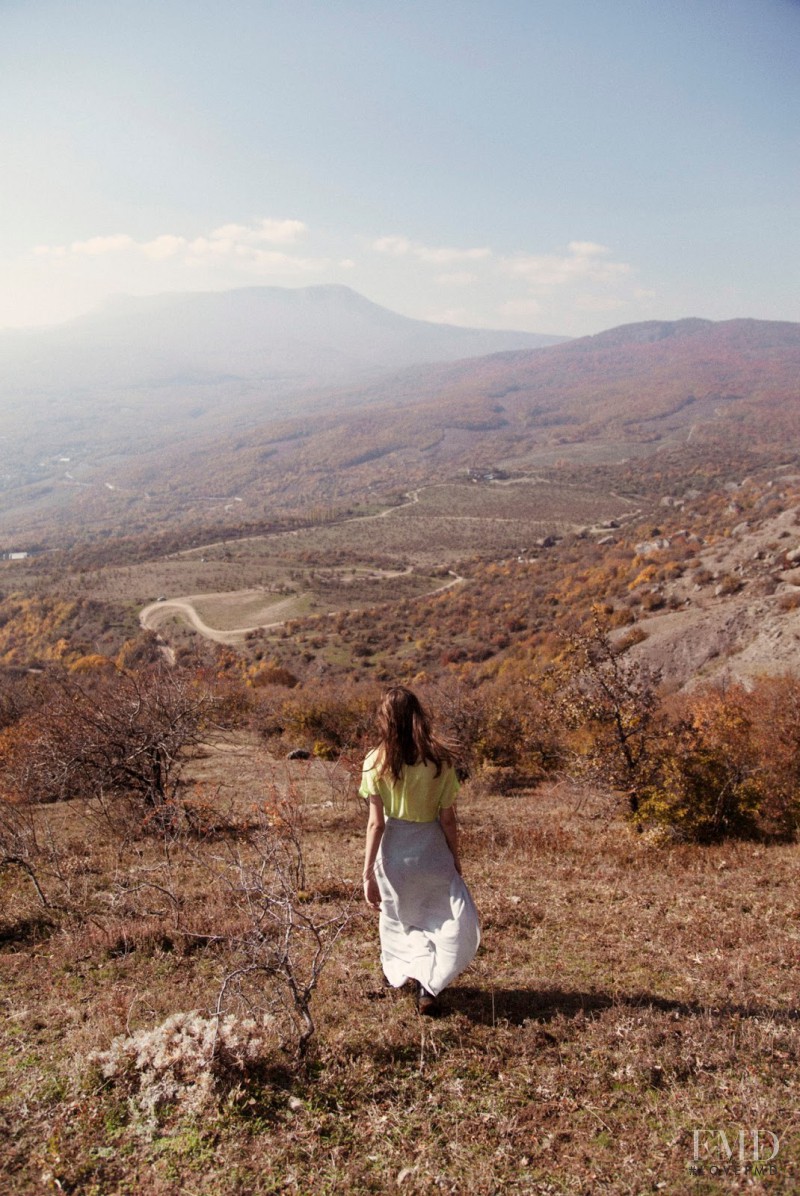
(729, 764)
(115, 733)
(611, 703)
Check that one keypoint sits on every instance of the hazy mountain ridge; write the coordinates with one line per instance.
(308, 336)
(141, 376)
(625, 393)
(633, 371)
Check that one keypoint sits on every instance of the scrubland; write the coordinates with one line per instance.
(625, 996)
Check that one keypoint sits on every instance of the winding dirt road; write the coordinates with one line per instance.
(156, 614)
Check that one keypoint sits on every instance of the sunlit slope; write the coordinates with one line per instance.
(693, 386)
(623, 393)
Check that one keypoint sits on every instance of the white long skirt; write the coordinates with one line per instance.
(428, 924)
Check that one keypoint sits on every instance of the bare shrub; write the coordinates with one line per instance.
(116, 733)
(503, 729)
(611, 704)
(19, 845)
(19, 694)
(274, 675)
(321, 717)
(287, 939)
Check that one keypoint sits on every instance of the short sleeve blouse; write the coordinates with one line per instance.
(417, 795)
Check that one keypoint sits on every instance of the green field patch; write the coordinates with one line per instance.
(232, 612)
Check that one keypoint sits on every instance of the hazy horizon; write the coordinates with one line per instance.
(558, 168)
(112, 299)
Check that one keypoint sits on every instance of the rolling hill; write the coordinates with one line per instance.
(77, 401)
(690, 386)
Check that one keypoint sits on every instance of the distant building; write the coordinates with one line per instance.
(487, 475)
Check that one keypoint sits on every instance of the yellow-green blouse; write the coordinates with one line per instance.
(417, 796)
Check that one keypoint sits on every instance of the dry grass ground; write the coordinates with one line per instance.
(625, 996)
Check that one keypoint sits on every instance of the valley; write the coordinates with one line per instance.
(436, 526)
(691, 387)
(218, 617)
(473, 571)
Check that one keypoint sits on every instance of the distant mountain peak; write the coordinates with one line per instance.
(292, 338)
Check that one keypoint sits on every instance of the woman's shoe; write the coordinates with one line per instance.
(426, 1002)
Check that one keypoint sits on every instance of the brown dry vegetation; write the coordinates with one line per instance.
(625, 995)
(715, 572)
(727, 390)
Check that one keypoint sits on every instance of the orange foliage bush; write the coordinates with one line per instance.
(729, 764)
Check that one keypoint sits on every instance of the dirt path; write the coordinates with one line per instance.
(411, 495)
(154, 616)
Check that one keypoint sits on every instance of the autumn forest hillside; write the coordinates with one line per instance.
(691, 386)
(456, 514)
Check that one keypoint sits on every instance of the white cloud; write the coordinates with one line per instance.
(598, 303)
(274, 232)
(49, 250)
(96, 246)
(393, 246)
(212, 247)
(274, 262)
(163, 247)
(231, 241)
(588, 249)
(520, 307)
(443, 255)
(584, 261)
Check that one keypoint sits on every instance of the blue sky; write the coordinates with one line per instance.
(560, 166)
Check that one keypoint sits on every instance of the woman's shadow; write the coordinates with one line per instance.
(487, 1006)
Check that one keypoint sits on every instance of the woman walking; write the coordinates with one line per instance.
(429, 928)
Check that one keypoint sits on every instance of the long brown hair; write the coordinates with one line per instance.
(406, 735)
